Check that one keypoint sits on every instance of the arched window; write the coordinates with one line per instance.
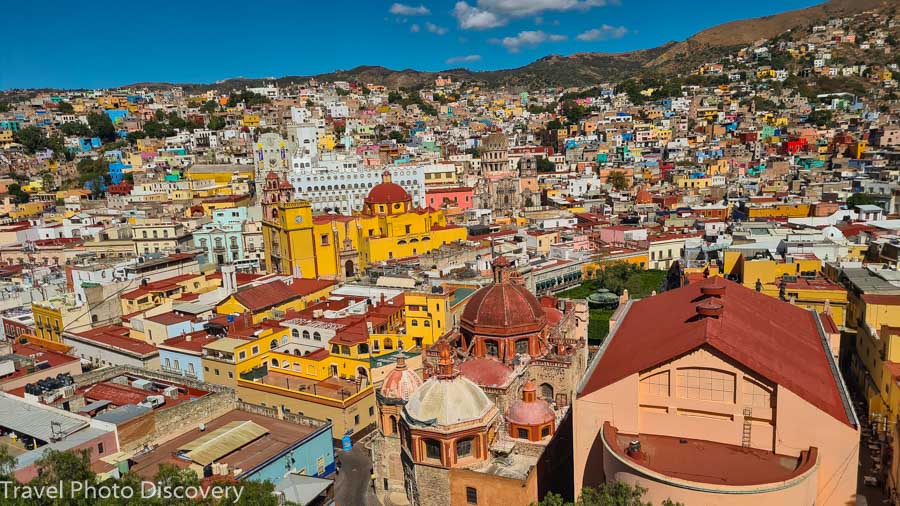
(273, 344)
(317, 336)
(305, 334)
(285, 364)
(295, 333)
(547, 392)
(274, 362)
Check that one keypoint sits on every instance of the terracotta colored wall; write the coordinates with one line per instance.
(492, 489)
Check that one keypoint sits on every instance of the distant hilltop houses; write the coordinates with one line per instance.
(681, 286)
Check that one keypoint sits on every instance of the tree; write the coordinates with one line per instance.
(616, 493)
(65, 108)
(545, 165)
(209, 106)
(859, 199)
(102, 126)
(820, 117)
(32, 138)
(76, 129)
(48, 180)
(7, 464)
(617, 179)
(216, 123)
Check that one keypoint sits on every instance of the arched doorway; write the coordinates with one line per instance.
(363, 376)
(349, 269)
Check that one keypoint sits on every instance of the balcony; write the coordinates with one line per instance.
(714, 467)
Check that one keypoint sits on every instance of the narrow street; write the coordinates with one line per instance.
(353, 485)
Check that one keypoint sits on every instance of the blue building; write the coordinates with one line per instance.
(117, 171)
(222, 240)
(116, 114)
(312, 455)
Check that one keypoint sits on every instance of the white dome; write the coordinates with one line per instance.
(447, 402)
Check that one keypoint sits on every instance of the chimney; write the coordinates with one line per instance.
(229, 278)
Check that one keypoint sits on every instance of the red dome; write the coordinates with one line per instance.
(529, 410)
(486, 371)
(553, 315)
(387, 193)
(503, 309)
(401, 382)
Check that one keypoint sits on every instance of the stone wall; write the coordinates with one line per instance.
(432, 485)
(167, 422)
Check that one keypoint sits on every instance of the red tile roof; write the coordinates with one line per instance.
(883, 299)
(265, 296)
(116, 336)
(119, 395)
(784, 347)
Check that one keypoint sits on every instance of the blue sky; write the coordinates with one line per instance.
(65, 43)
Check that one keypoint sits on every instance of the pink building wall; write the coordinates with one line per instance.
(793, 426)
(463, 198)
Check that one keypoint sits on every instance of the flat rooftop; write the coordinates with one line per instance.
(282, 434)
(710, 462)
(331, 387)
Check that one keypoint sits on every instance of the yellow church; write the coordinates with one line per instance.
(332, 246)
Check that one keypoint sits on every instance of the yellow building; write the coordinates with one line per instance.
(877, 361)
(339, 247)
(797, 282)
(271, 300)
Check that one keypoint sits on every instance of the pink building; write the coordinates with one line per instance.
(716, 394)
(453, 198)
(618, 235)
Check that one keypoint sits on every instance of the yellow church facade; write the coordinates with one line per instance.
(339, 247)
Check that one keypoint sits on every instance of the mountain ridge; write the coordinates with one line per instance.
(583, 68)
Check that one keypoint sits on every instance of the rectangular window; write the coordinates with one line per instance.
(522, 433)
(471, 495)
(100, 448)
(356, 420)
(324, 239)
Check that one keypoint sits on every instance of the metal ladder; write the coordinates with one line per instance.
(745, 437)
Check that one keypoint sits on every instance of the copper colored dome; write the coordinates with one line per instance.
(503, 309)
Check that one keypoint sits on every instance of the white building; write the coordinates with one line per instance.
(341, 183)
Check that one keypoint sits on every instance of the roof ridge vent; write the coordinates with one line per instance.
(710, 308)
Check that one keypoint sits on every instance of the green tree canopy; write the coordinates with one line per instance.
(65, 108)
(102, 126)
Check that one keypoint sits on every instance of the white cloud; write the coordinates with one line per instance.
(409, 10)
(492, 13)
(472, 18)
(528, 38)
(433, 28)
(415, 28)
(605, 32)
(463, 59)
